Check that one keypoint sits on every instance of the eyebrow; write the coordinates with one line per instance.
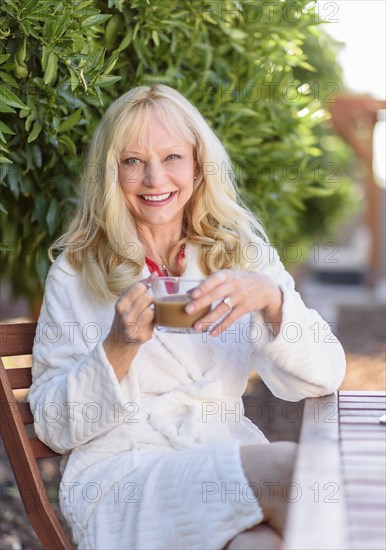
(132, 151)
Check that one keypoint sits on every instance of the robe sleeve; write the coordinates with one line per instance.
(75, 395)
(305, 359)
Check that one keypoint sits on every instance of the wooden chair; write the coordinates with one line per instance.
(17, 339)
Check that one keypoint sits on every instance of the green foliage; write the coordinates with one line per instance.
(323, 214)
(53, 68)
(245, 65)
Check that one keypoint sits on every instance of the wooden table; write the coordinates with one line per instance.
(338, 500)
(363, 452)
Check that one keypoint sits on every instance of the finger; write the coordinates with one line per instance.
(132, 292)
(145, 324)
(131, 307)
(214, 315)
(135, 322)
(227, 322)
(211, 282)
(210, 290)
(216, 293)
(146, 315)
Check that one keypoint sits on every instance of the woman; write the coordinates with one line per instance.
(157, 451)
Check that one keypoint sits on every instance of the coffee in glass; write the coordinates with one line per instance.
(171, 295)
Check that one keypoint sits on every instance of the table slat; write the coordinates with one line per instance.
(362, 436)
(361, 399)
(359, 475)
(363, 419)
(379, 405)
(370, 461)
(376, 413)
(376, 428)
(360, 393)
(358, 447)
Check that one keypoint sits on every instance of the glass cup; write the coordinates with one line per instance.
(171, 295)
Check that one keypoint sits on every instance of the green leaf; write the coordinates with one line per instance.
(68, 144)
(23, 113)
(61, 26)
(74, 79)
(39, 16)
(8, 79)
(105, 81)
(9, 98)
(13, 179)
(40, 208)
(37, 128)
(307, 66)
(52, 69)
(110, 63)
(6, 129)
(155, 37)
(4, 57)
(30, 119)
(84, 5)
(95, 20)
(37, 155)
(70, 121)
(126, 40)
(41, 265)
(5, 160)
(28, 6)
(313, 191)
(136, 29)
(52, 216)
(5, 109)
(44, 57)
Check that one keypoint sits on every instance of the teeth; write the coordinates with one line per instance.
(155, 198)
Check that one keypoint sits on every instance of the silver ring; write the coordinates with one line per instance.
(228, 301)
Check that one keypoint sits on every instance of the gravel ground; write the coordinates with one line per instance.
(362, 333)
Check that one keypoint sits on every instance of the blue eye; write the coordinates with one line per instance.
(173, 157)
(131, 161)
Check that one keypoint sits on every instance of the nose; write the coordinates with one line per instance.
(154, 174)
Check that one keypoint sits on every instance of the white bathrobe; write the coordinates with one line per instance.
(153, 461)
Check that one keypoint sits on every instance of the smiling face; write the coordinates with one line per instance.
(156, 174)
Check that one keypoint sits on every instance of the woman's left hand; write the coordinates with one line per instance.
(240, 292)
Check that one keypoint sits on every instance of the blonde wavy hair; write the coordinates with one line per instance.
(102, 241)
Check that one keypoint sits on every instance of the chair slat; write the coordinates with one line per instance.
(40, 450)
(16, 338)
(20, 378)
(25, 412)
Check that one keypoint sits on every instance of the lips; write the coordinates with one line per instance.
(156, 200)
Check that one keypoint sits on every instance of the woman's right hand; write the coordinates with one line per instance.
(133, 325)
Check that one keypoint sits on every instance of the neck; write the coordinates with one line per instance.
(158, 241)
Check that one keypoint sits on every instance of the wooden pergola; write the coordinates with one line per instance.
(354, 118)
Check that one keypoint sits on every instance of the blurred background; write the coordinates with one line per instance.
(351, 291)
(295, 90)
